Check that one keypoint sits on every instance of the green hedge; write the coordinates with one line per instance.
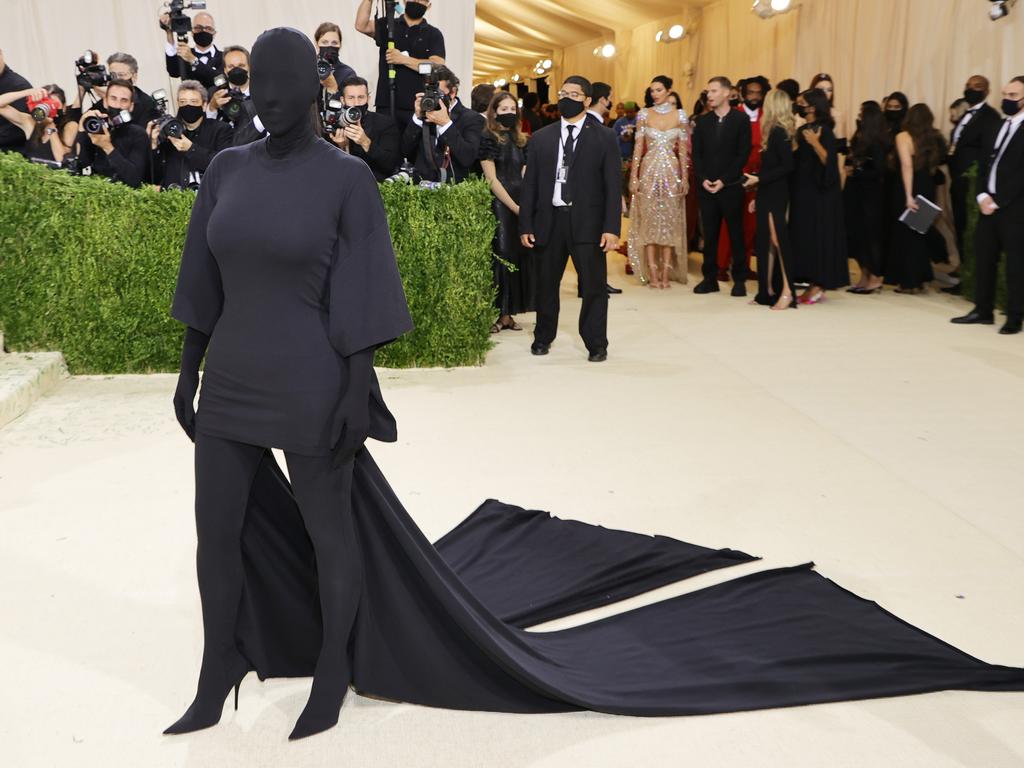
(968, 263)
(88, 268)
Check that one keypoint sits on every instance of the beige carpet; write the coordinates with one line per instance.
(866, 434)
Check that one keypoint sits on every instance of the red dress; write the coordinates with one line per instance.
(749, 219)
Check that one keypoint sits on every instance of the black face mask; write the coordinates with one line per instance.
(329, 53)
(238, 76)
(799, 111)
(973, 97)
(415, 10)
(570, 108)
(284, 88)
(363, 109)
(1011, 107)
(752, 103)
(734, 103)
(190, 113)
(895, 117)
(509, 120)
(112, 111)
(202, 39)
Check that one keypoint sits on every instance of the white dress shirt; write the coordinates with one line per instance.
(556, 198)
(1006, 134)
(968, 116)
(202, 54)
(440, 128)
(753, 114)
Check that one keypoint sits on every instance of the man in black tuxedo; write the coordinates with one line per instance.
(202, 61)
(1001, 225)
(374, 139)
(455, 132)
(721, 146)
(570, 204)
(971, 142)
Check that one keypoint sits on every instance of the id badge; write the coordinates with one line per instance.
(562, 176)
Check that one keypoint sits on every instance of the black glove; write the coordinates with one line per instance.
(192, 351)
(352, 416)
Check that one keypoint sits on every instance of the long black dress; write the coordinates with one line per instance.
(517, 287)
(442, 625)
(816, 215)
(910, 263)
(772, 203)
(864, 204)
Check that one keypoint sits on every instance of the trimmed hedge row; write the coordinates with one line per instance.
(967, 258)
(88, 268)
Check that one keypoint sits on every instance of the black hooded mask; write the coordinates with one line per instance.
(284, 88)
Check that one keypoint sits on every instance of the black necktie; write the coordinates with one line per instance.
(570, 146)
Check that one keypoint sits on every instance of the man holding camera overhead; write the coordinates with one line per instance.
(415, 41)
(202, 61)
(184, 145)
(454, 131)
(109, 142)
(374, 138)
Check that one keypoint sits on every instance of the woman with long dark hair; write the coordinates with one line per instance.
(503, 160)
(824, 83)
(921, 149)
(43, 131)
(816, 215)
(864, 196)
(774, 251)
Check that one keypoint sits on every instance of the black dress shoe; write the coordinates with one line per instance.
(738, 289)
(539, 349)
(706, 286)
(600, 355)
(953, 290)
(974, 317)
(1011, 327)
(612, 289)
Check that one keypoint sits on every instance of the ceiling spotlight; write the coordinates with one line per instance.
(607, 50)
(780, 6)
(658, 37)
(501, 82)
(768, 8)
(676, 31)
(546, 64)
(1000, 9)
(516, 78)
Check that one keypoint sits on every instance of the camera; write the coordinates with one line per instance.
(192, 186)
(90, 73)
(336, 115)
(95, 123)
(170, 126)
(233, 109)
(432, 96)
(46, 108)
(180, 24)
(326, 62)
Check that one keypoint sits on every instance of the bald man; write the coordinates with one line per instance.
(201, 61)
(970, 143)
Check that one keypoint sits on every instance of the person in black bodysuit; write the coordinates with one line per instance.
(313, 288)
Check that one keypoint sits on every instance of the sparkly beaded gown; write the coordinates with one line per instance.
(658, 210)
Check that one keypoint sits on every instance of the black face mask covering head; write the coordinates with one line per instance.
(284, 86)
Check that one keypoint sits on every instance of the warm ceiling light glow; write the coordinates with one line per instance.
(780, 5)
(659, 36)
(546, 64)
(516, 78)
(677, 30)
(608, 50)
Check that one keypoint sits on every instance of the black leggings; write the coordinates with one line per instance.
(224, 473)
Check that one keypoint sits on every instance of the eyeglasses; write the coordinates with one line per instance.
(201, 28)
(574, 95)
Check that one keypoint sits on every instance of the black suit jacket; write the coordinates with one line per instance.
(976, 140)
(173, 167)
(385, 153)
(204, 73)
(246, 131)
(595, 179)
(463, 139)
(721, 151)
(1009, 172)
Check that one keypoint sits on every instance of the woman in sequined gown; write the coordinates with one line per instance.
(657, 227)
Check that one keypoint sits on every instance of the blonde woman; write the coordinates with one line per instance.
(774, 251)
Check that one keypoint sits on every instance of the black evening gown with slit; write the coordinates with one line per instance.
(772, 207)
(445, 624)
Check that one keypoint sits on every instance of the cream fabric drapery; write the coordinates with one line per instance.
(42, 38)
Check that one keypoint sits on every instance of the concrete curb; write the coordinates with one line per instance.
(25, 377)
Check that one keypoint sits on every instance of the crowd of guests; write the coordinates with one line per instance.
(751, 172)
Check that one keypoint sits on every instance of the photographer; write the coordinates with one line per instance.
(179, 162)
(374, 139)
(415, 42)
(41, 127)
(203, 61)
(11, 134)
(228, 99)
(117, 149)
(454, 134)
(328, 44)
(124, 66)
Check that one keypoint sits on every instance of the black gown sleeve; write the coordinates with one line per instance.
(199, 294)
(782, 157)
(367, 306)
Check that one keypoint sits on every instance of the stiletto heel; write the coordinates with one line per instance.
(206, 708)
